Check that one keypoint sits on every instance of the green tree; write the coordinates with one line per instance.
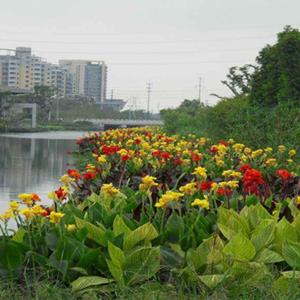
(277, 78)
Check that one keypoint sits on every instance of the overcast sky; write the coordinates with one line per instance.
(170, 43)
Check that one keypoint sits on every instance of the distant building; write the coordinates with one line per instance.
(86, 78)
(20, 70)
(24, 71)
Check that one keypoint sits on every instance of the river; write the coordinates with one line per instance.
(33, 162)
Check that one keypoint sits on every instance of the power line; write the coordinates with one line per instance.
(137, 42)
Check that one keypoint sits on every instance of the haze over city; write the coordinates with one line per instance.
(168, 43)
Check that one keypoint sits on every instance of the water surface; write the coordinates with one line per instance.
(33, 162)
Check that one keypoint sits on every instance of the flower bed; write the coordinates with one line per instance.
(141, 204)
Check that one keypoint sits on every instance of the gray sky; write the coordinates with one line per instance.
(169, 43)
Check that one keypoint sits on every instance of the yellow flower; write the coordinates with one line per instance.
(200, 172)
(14, 206)
(231, 174)
(247, 151)
(26, 198)
(55, 217)
(6, 215)
(297, 200)
(292, 152)
(109, 189)
(219, 162)
(168, 197)
(271, 162)
(28, 213)
(71, 227)
(102, 159)
(38, 210)
(238, 147)
(188, 189)
(268, 149)
(204, 203)
(147, 183)
(257, 153)
(281, 148)
(289, 161)
(66, 179)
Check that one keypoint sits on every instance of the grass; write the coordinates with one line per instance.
(153, 290)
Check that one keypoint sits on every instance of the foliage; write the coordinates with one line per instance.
(277, 77)
(143, 206)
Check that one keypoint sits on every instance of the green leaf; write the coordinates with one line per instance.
(256, 214)
(291, 253)
(19, 235)
(268, 256)
(116, 271)
(146, 233)
(230, 223)
(240, 248)
(84, 282)
(10, 255)
(116, 254)
(95, 233)
(263, 234)
(212, 281)
(120, 227)
(174, 228)
(284, 231)
(142, 264)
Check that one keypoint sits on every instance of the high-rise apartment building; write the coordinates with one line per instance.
(22, 70)
(86, 78)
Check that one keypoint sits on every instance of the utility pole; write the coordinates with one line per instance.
(199, 86)
(112, 94)
(149, 90)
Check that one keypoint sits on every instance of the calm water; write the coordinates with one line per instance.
(33, 162)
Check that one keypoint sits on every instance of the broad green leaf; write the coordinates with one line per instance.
(291, 253)
(146, 232)
(268, 256)
(116, 254)
(84, 282)
(174, 228)
(212, 281)
(240, 248)
(95, 233)
(10, 255)
(284, 231)
(209, 252)
(296, 224)
(19, 235)
(116, 271)
(263, 234)
(230, 223)
(141, 264)
(79, 270)
(256, 214)
(120, 227)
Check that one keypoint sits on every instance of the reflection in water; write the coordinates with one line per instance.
(31, 165)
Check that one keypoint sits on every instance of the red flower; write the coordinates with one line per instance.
(156, 153)
(254, 183)
(225, 143)
(74, 173)
(137, 141)
(205, 186)
(165, 155)
(89, 175)
(245, 167)
(214, 149)
(224, 192)
(177, 161)
(284, 174)
(125, 157)
(61, 194)
(47, 212)
(35, 197)
(196, 157)
(110, 149)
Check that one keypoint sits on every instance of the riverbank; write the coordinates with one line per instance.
(144, 213)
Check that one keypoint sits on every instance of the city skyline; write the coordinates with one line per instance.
(170, 44)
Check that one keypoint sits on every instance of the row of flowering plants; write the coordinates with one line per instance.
(139, 203)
